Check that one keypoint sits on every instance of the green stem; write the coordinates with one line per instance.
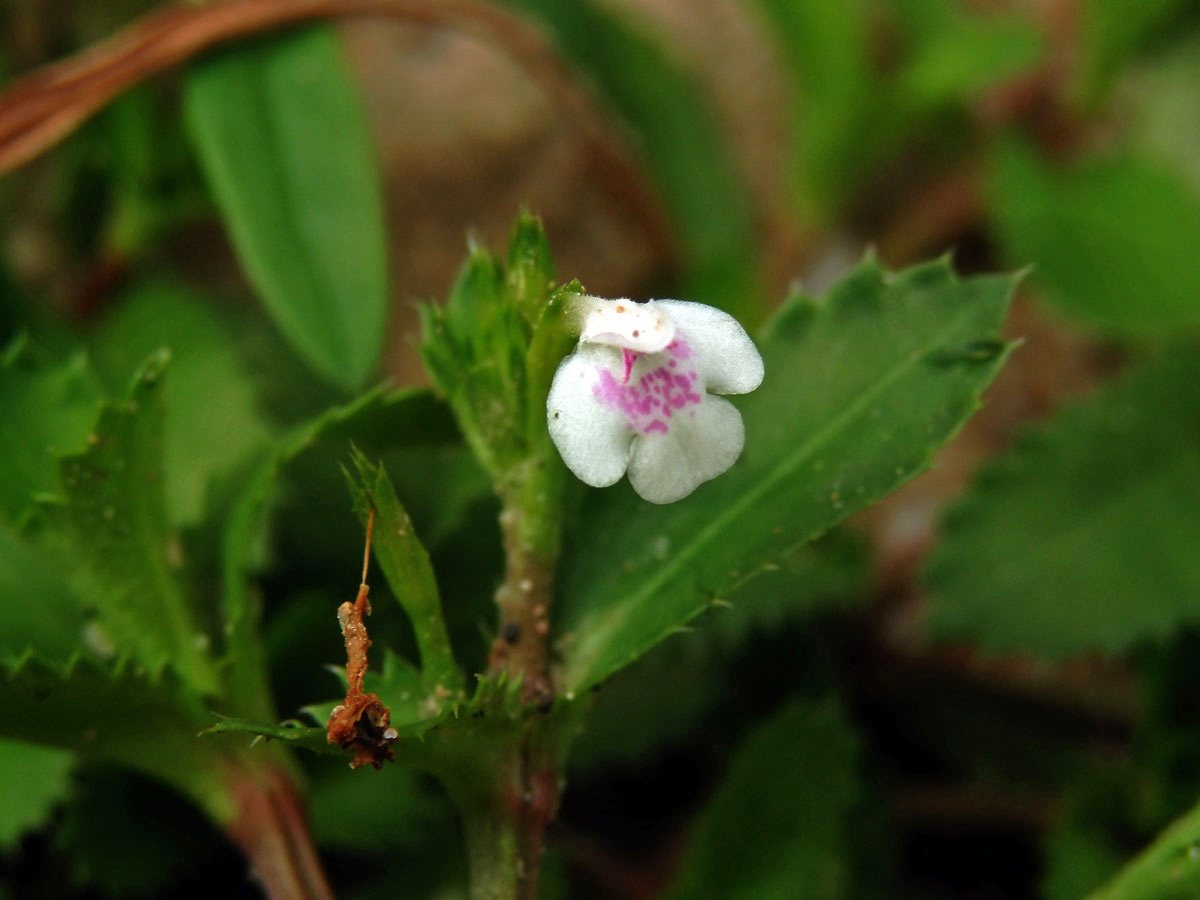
(506, 837)
(491, 854)
(1169, 869)
(506, 809)
(530, 520)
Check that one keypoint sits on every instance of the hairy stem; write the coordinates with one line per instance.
(530, 522)
(505, 822)
(506, 837)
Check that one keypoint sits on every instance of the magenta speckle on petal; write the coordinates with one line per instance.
(679, 348)
(649, 400)
(629, 358)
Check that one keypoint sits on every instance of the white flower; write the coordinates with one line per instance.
(638, 395)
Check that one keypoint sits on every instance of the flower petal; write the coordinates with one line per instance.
(722, 352)
(641, 327)
(697, 447)
(592, 438)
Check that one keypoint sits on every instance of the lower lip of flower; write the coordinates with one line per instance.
(654, 398)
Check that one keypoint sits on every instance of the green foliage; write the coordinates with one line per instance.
(113, 520)
(860, 389)
(530, 269)
(777, 827)
(1112, 241)
(394, 814)
(1158, 99)
(125, 836)
(474, 350)
(492, 349)
(459, 741)
(117, 713)
(1113, 31)
(1169, 869)
(39, 611)
(1081, 850)
(849, 115)
(406, 565)
(953, 52)
(33, 781)
(682, 144)
(244, 529)
(48, 406)
(284, 141)
(667, 693)
(1080, 539)
(825, 45)
(213, 422)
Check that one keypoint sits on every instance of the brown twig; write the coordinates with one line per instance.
(41, 108)
(361, 722)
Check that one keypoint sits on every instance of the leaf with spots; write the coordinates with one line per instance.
(115, 538)
(47, 407)
(860, 389)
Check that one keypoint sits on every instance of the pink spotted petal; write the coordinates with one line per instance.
(592, 438)
(698, 446)
(722, 352)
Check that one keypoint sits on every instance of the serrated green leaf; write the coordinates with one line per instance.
(296, 733)
(530, 269)
(212, 422)
(404, 414)
(1082, 537)
(474, 348)
(406, 566)
(778, 826)
(112, 517)
(39, 610)
(118, 714)
(47, 407)
(666, 693)
(859, 391)
(33, 780)
(1111, 241)
(459, 741)
(402, 689)
(283, 138)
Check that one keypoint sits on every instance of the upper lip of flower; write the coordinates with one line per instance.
(641, 327)
(629, 401)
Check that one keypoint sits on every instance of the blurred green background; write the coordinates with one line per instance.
(983, 687)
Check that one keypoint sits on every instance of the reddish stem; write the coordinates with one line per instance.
(271, 829)
(41, 108)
